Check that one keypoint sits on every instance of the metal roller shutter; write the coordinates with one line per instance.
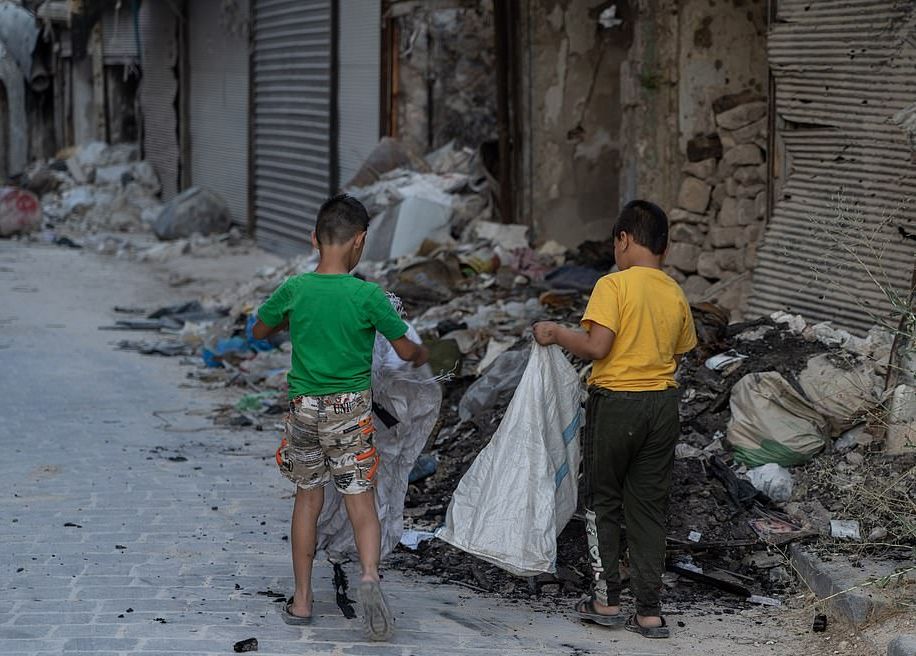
(843, 70)
(360, 35)
(218, 53)
(292, 119)
(119, 38)
(158, 92)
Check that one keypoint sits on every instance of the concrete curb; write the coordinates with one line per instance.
(902, 646)
(856, 606)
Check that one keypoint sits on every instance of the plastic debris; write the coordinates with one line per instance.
(845, 529)
(249, 644)
(773, 480)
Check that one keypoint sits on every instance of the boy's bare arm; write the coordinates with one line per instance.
(592, 345)
(262, 331)
(410, 351)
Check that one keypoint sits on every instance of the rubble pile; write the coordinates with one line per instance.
(721, 203)
(807, 468)
(96, 187)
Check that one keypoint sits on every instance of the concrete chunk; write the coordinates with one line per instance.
(742, 115)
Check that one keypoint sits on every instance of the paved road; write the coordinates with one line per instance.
(128, 532)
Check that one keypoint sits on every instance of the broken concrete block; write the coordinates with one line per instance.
(901, 421)
(706, 266)
(743, 155)
(195, 210)
(747, 211)
(722, 236)
(730, 259)
(695, 286)
(694, 195)
(703, 169)
(683, 256)
(902, 645)
(687, 233)
(728, 214)
(742, 115)
(704, 147)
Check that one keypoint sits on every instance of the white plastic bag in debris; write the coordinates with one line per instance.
(406, 402)
(521, 490)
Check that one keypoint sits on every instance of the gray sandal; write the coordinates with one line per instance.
(290, 618)
(648, 631)
(376, 614)
(585, 609)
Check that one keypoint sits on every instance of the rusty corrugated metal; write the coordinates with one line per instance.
(158, 92)
(843, 70)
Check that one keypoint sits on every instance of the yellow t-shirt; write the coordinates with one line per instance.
(650, 317)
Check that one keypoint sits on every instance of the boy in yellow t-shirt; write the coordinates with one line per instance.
(637, 326)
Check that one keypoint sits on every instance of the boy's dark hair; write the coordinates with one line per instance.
(340, 219)
(646, 223)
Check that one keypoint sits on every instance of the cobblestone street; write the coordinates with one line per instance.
(131, 525)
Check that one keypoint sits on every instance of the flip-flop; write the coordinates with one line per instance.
(376, 614)
(648, 631)
(290, 618)
(585, 609)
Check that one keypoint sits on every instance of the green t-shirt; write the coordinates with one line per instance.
(333, 319)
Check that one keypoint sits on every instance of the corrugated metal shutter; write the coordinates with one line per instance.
(292, 119)
(843, 69)
(119, 38)
(360, 36)
(218, 52)
(158, 92)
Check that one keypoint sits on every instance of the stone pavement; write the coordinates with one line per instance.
(130, 525)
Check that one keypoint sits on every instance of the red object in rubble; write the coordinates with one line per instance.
(20, 211)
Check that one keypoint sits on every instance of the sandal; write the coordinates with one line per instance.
(648, 631)
(376, 614)
(585, 609)
(290, 618)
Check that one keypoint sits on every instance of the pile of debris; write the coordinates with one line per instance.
(105, 197)
(780, 419)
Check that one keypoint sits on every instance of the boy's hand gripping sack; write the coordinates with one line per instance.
(521, 490)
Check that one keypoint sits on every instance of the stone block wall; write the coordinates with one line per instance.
(721, 203)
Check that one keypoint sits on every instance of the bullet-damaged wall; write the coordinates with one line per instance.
(570, 116)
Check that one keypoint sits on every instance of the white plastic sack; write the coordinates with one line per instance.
(773, 480)
(412, 396)
(521, 490)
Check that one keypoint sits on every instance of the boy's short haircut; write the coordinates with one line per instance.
(340, 219)
(646, 223)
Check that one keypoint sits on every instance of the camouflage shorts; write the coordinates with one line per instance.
(330, 437)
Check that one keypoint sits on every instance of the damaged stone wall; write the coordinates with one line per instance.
(721, 204)
(570, 63)
(446, 74)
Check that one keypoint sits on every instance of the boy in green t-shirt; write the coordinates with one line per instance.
(332, 318)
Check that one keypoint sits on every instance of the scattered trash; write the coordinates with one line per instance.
(820, 624)
(194, 210)
(772, 422)
(777, 531)
(425, 466)
(877, 534)
(845, 529)
(502, 376)
(413, 539)
(724, 360)
(773, 480)
(694, 536)
(249, 644)
(763, 601)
